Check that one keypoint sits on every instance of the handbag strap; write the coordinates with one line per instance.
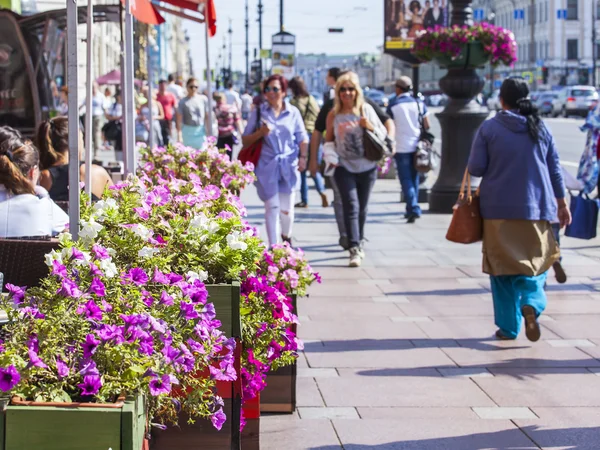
(465, 181)
(257, 117)
(420, 114)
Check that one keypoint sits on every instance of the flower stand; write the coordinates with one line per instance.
(280, 394)
(251, 431)
(73, 426)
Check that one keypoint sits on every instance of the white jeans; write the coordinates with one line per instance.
(279, 208)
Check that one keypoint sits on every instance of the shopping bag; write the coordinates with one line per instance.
(466, 226)
(584, 212)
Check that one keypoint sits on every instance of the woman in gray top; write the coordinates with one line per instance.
(192, 116)
(355, 175)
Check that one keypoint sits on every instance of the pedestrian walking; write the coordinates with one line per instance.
(309, 109)
(246, 105)
(174, 88)
(169, 103)
(315, 143)
(233, 98)
(355, 175)
(98, 112)
(143, 118)
(284, 152)
(228, 122)
(192, 116)
(522, 192)
(112, 129)
(408, 113)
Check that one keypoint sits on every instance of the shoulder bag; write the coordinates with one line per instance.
(252, 152)
(425, 156)
(376, 147)
(466, 226)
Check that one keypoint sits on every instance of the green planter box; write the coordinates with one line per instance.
(201, 434)
(470, 57)
(280, 394)
(74, 428)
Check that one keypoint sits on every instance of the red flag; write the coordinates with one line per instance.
(145, 12)
(210, 15)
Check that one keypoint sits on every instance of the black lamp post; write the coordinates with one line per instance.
(459, 120)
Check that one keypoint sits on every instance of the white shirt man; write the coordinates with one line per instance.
(233, 98)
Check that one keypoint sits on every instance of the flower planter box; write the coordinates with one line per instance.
(280, 394)
(470, 57)
(202, 434)
(251, 431)
(73, 426)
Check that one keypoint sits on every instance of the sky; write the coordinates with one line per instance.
(309, 20)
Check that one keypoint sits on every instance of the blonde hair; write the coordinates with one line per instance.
(359, 101)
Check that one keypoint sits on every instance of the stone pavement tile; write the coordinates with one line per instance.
(575, 326)
(307, 392)
(307, 372)
(562, 343)
(511, 354)
(373, 282)
(340, 412)
(396, 261)
(573, 306)
(403, 358)
(588, 414)
(465, 308)
(278, 434)
(416, 413)
(338, 309)
(461, 372)
(403, 391)
(570, 289)
(446, 287)
(334, 274)
(391, 299)
(344, 290)
(425, 434)
(429, 273)
(360, 345)
(390, 372)
(554, 388)
(504, 413)
(403, 319)
(466, 328)
(580, 432)
(435, 343)
(350, 329)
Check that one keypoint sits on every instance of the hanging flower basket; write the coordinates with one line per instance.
(467, 47)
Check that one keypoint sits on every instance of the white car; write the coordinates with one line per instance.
(493, 103)
(574, 100)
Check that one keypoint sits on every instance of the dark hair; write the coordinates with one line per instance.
(162, 81)
(334, 72)
(8, 133)
(229, 85)
(414, 4)
(277, 77)
(514, 92)
(171, 78)
(190, 81)
(298, 87)
(17, 158)
(52, 140)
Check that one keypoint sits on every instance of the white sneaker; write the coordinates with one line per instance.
(355, 258)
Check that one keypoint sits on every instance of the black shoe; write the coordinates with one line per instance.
(412, 218)
(559, 273)
(286, 239)
(301, 205)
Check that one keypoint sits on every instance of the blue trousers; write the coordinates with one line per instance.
(318, 179)
(510, 293)
(409, 180)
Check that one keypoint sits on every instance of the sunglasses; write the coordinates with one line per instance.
(192, 87)
(347, 89)
(272, 89)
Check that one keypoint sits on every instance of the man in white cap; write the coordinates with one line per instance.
(408, 113)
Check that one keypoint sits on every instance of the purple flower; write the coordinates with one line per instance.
(161, 385)
(209, 313)
(34, 359)
(135, 276)
(218, 419)
(91, 385)
(90, 310)
(166, 299)
(17, 293)
(143, 212)
(69, 289)
(225, 215)
(9, 378)
(97, 288)
(158, 196)
(77, 254)
(90, 345)
(59, 269)
(33, 312)
(212, 192)
(226, 180)
(88, 367)
(160, 277)
(146, 346)
(61, 368)
(189, 310)
(108, 332)
(100, 252)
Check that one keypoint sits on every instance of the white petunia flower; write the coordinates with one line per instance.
(53, 256)
(109, 268)
(193, 276)
(142, 231)
(213, 226)
(235, 243)
(64, 237)
(199, 222)
(215, 248)
(148, 252)
(90, 229)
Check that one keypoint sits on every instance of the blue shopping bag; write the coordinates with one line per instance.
(585, 217)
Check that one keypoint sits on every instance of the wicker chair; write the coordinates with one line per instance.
(22, 260)
(64, 206)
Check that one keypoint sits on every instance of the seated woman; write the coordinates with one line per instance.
(53, 144)
(26, 210)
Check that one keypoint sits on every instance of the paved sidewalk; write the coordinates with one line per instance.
(400, 355)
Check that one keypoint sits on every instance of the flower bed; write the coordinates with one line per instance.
(447, 45)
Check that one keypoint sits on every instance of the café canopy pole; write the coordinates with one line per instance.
(149, 47)
(128, 92)
(73, 115)
(208, 75)
(89, 151)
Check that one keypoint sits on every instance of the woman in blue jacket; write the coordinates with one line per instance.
(522, 192)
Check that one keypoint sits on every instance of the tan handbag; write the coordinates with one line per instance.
(466, 226)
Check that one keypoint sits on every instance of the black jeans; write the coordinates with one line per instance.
(355, 189)
(222, 141)
(165, 128)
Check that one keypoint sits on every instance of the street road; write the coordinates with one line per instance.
(569, 139)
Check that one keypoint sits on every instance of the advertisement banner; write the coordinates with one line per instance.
(405, 19)
(283, 53)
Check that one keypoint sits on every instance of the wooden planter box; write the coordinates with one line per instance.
(74, 426)
(202, 434)
(280, 394)
(251, 432)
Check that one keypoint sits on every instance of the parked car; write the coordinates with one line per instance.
(377, 96)
(493, 103)
(574, 100)
(544, 102)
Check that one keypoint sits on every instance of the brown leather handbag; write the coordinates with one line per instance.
(466, 226)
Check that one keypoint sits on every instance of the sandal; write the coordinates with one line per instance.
(501, 336)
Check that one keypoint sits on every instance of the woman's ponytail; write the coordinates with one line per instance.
(52, 141)
(529, 110)
(16, 160)
(514, 92)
